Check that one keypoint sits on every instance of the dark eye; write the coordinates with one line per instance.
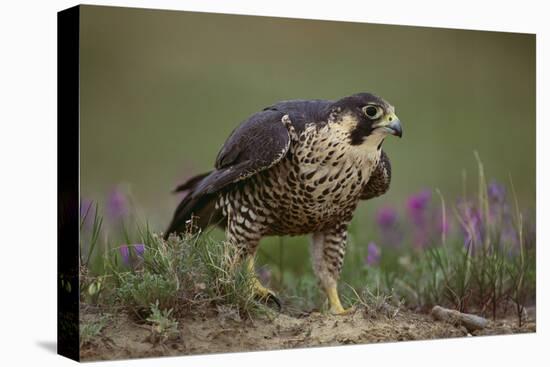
(371, 111)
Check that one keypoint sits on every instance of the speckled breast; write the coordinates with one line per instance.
(316, 186)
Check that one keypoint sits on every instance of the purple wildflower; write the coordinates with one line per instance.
(499, 210)
(117, 204)
(373, 254)
(139, 248)
(125, 253)
(129, 257)
(418, 203)
(417, 206)
(386, 218)
(496, 192)
(472, 227)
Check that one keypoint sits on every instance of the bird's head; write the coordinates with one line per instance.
(367, 118)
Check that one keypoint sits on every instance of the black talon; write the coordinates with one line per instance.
(274, 298)
(271, 297)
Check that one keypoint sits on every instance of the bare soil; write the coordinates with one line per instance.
(124, 338)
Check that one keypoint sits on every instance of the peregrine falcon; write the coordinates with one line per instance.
(296, 167)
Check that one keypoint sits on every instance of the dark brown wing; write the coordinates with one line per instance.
(380, 179)
(257, 144)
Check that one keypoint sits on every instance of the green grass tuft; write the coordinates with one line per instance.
(186, 274)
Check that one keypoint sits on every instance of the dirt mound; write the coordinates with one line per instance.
(123, 338)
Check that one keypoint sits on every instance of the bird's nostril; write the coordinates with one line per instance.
(390, 119)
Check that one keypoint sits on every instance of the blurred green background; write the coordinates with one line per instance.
(162, 90)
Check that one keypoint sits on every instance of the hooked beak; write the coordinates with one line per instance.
(391, 125)
(395, 127)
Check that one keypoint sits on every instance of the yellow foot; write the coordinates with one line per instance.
(266, 294)
(335, 304)
(259, 290)
(342, 311)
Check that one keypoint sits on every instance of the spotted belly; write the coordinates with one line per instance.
(292, 199)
